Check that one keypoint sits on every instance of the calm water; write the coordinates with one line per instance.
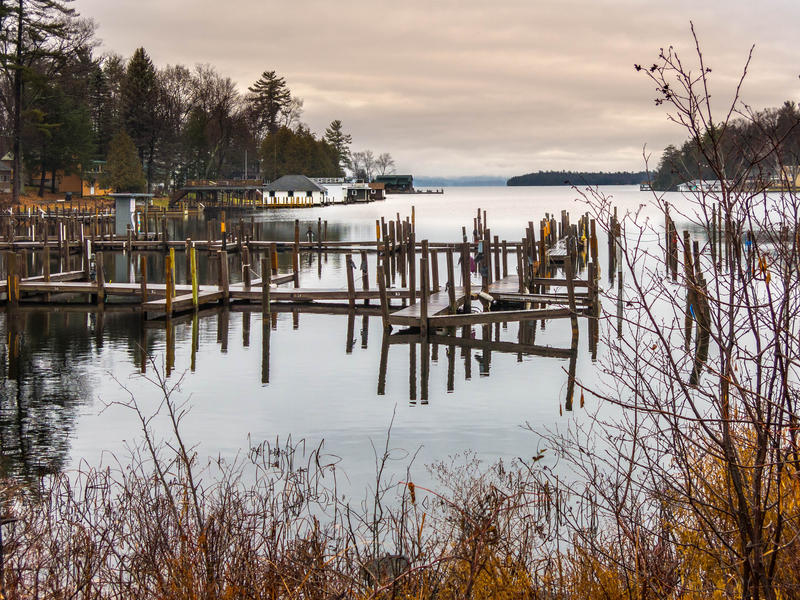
(303, 375)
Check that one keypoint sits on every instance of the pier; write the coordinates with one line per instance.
(423, 287)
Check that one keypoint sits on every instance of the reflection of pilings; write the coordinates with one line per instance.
(170, 338)
(425, 369)
(466, 352)
(223, 320)
(351, 326)
(246, 329)
(573, 362)
(383, 364)
(364, 331)
(451, 367)
(265, 335)
(486, 353)
(412, 372)
(195, 339)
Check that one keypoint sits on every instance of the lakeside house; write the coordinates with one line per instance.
(345, 191)
(295, 190)
(85, 183)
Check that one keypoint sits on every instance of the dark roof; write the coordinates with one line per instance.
(295, 183)
(394, 179)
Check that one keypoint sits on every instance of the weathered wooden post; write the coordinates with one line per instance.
(351, 290)
(100, 278)
(365, 273)
(451, 284)
(423, 297)
(265, 284)
(245, 255)
(296, 253)
(384, 299)
(168, 275)
(12, 278)
(223, 275)
(143, 280)
(193, 275)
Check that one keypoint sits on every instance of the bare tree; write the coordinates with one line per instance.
(695, 487)
(384, 164)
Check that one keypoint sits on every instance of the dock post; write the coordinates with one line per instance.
(412, 269)
(100, 278)
(467, 277)
(384, 298)
(351, 290)
(296, 253)
(223, 275)
(505, 259)
(174, 272)
(496, 247)
(265, 284)
(521, 267)
(423, 297)
(273, 254)
(245, 255)
(46, 263)
(193, 275)
(434, 258)
(451, 287)
(12, 278)
(365, 274)
(168, 275)
(571, 296)
(143, 280)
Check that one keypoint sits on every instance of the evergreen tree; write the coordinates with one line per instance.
(268, 98)
(139, 101)
(124, 171)
(340, 141)
(29, 30)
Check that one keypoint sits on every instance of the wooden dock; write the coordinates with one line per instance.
(518, 280)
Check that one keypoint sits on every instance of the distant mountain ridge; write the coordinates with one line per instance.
(579, 178)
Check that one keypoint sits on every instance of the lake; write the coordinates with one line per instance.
(306, 376)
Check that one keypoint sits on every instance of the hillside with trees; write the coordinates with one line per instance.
(579, 178)
(62, 104)
(740, 141)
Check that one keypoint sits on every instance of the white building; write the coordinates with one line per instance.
(295, 190)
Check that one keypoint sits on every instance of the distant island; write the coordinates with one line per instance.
(579, 178)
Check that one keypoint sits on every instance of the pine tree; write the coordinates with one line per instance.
(139, 100)
(29, 30)
(268, 97)
(124, 171)
(340, 141)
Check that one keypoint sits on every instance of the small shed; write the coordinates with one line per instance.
(5, 177)
(295, 190)
(397, 183)
(125, 204)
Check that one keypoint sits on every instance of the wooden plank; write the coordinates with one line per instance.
(497, 317)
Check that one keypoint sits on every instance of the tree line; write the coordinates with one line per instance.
(740, 141)
(579, 178)
(63, 106)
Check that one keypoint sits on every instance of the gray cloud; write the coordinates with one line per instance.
(466, 87)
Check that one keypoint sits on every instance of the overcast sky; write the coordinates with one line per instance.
(461, 87)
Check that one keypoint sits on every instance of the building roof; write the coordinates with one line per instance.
(295, 183)
(395, 179)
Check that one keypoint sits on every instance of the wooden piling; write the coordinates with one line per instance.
(423, 297)
(224, 282)
(100, 278)
(451, 283)
(351, 290)
(265, 284)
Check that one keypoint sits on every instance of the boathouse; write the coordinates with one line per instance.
(295, 190)
(402, 184)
